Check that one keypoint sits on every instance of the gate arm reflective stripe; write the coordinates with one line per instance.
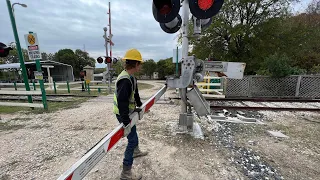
(82, 167)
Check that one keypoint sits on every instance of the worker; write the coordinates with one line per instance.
(126, 98)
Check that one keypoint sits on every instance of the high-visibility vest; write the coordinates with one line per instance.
(132, 104)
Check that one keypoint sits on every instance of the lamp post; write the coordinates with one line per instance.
(14, 28)
(23, 5)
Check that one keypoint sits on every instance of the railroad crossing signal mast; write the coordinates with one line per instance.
(166, 12)
(108, 58)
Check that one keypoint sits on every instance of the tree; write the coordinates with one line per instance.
(313, 7)
(66, 56)
(277, 65)
(118, 67)
(165, 67)
(309, 25)
(315, 69)
(148, 67)
(84, 59)
(77, 59)
(234, 30)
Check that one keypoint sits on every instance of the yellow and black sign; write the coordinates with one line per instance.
(33, 46)
(31, 39)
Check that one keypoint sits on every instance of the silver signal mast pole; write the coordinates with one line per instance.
(110, 41)
(106, 41)
(185, 48)
(105, 29)
(110, 33)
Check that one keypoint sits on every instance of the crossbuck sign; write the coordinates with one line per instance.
(33, 46)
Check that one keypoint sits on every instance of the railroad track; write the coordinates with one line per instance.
(261, 99)
(265, 104)
(256, 108)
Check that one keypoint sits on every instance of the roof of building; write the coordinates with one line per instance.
(17, 65)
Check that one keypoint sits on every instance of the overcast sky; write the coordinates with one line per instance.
(74, 23)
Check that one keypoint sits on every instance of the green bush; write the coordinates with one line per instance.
(278, 65)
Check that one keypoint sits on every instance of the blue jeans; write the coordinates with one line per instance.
(133, 142)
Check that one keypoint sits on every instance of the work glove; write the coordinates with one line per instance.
(127, 130)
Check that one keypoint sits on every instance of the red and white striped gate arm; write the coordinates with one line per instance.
(82, 167)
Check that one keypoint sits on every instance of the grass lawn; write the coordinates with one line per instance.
(79, 92)
(93, 86)
(23, 87)
(53, 106)
(142, 86)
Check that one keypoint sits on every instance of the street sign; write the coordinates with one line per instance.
(38, 75)
(112, 44)
(33, 46)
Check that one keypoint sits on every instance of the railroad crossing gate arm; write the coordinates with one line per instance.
(83, 166)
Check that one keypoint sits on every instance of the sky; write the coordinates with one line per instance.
(76, 24)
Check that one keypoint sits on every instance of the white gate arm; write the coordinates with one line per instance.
(82, 167)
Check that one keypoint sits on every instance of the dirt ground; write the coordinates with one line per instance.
(43, 146)
(296, 157)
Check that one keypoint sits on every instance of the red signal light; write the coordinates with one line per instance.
(4, 50)
(205, 4)
(204, 9)
(108, 60)
(164, 6)
(165, 10)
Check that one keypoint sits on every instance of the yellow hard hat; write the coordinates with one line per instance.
(133, 54)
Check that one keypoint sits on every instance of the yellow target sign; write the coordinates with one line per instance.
(31, 39)
(33, 46)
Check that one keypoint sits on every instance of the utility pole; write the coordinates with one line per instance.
(22, 65)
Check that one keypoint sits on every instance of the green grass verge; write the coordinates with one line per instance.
(142, 86)
(9, 109)
(53, 106)
(93, 92)
(23, 87)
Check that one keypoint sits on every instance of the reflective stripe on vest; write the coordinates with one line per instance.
(132, 105)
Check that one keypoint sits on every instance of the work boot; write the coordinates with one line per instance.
(138, 153)
(126, 174)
